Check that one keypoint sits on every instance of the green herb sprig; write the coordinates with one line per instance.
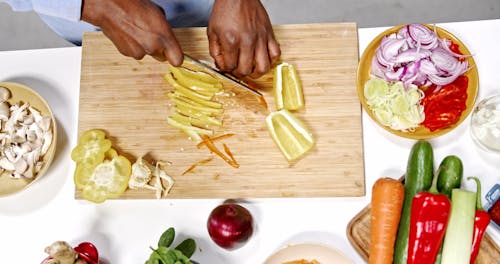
(166, 255)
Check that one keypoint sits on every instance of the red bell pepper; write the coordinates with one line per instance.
(443, 107)
(429, 217)
(481, 222)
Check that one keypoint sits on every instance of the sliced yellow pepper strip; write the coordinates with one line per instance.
(203, 102)
(202, 76)
(190, 93)
(195, 83)
(197, 115)
(203, 123)
(186, 126)
(186, 102)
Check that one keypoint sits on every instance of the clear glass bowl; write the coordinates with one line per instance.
(485, 124)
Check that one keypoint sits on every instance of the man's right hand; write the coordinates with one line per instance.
(136, 27)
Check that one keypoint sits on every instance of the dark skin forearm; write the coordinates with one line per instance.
(241, 38)
(136, 27)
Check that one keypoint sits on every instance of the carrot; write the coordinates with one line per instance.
(230, 154)
(210, 145)
(202, 143)
(201, 162)
(387, 203)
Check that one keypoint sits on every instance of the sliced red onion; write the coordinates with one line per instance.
(394, 75)
(377, 69)
(411, 70)
(402, 33)
(388, 50)
(427, 67)
(416, 55)
(443, 80)
(420, 79)
(443, 60)
(445, 44)
(411, 55)
(421, 34)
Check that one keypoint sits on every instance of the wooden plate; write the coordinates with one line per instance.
(319, 252)
(358, 233)
(21, 93)
(420, 132)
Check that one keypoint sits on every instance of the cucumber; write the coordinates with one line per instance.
(450, 175)
(458, 238)
(418, 178)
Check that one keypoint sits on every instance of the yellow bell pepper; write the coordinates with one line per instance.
(100, 172)
(92, 145)
(108, 180)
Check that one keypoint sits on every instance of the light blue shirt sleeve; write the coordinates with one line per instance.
(63, 16)
(66, 9)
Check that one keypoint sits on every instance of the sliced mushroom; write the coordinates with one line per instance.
(25, 137)
(47, 140)
(7, 164)
(4, 111)
(4, 94)
(44, 123)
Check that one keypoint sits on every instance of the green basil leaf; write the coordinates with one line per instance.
(167, 238)
(187, 247)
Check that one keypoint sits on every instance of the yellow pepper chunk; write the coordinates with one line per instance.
(290, 135)
(288, 92)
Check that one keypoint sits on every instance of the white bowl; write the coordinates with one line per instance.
(485, 124)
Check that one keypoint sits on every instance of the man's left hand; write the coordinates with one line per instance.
(241, 38)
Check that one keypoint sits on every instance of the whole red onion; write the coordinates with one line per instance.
(230, 225)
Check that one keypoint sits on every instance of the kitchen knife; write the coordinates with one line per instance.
(223, 75)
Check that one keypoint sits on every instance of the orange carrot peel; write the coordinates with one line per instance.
(211, 146)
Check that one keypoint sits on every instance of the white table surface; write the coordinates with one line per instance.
(123, 230)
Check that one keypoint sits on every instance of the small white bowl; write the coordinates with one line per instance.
(485, 124)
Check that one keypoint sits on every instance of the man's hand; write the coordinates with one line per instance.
(136, 27)
(241, 37)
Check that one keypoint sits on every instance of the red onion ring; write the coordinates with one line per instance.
(416, 55)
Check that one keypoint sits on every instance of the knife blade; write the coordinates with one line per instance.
(223, 75)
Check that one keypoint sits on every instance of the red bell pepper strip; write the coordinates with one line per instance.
(429, 217)
(443, 107)
(481, 222)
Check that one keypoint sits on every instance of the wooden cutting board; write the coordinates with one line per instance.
(127, 99)
(358, 233)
